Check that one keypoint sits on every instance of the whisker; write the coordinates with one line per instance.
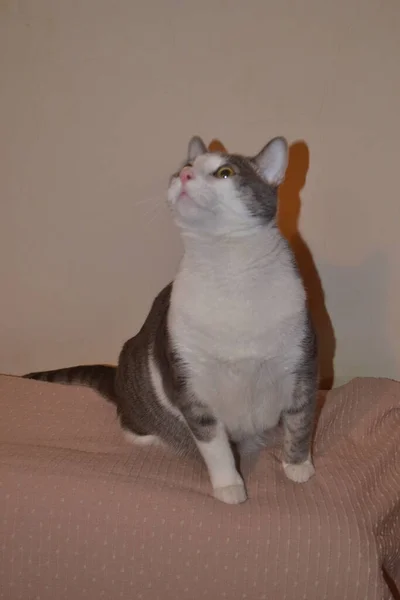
(145, 201)
(151, 205)
(156, 215)
(152, 212)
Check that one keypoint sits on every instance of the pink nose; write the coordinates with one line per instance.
(186, 174)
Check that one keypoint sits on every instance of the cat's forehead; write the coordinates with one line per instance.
(208, 163)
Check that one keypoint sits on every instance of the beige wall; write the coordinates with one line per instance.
(97, 101)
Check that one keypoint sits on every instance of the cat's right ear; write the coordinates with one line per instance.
(195, 148)
(272, 161)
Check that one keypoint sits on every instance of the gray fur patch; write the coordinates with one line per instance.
(260, 198)
(298, 420)
(139, 408)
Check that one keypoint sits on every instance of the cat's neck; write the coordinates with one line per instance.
(249, 250)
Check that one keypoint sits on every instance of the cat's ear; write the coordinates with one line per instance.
(272, 161)
(195, 148)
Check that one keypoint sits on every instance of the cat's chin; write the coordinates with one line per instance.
(189, 215)
(184, 196)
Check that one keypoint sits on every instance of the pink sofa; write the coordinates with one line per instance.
(84, 515)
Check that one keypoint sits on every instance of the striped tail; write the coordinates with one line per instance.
(99, 377)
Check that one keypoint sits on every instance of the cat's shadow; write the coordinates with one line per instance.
(288, 219)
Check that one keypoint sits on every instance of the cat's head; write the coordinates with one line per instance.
(216, 193)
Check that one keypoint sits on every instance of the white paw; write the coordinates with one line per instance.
(141, 440)
(299, 473)
(231, 494)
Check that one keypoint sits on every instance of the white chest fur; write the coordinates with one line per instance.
(236, 319)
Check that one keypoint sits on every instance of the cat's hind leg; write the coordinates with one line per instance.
(141, 440)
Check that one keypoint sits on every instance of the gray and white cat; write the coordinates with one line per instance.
(228, 349)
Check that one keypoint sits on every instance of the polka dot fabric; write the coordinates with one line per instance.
(84, 515)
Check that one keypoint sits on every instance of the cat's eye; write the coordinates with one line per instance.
(224, 172)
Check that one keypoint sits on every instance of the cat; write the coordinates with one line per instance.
(228, 350)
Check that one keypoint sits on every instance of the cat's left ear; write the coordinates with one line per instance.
(272, 161)
(195, 148)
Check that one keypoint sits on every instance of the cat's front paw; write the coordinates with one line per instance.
(299, 473)
(231, 494)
